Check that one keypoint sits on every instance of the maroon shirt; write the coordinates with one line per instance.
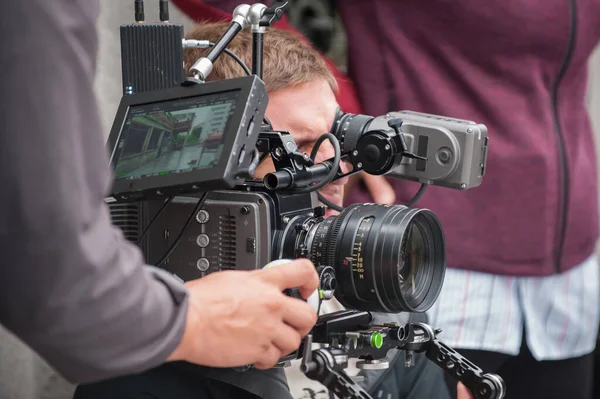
(507, 64)
(520, 67)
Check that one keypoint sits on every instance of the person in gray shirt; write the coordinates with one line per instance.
(71, 286)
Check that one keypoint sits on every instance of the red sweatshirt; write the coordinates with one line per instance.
(518, 67)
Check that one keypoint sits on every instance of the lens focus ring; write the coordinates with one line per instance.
(386, 258)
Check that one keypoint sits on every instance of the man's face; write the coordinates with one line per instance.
(307, 112)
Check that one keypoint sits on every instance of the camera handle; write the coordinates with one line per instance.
(259, 16)
(370, 343)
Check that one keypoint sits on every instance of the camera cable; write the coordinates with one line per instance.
(183, 230)
(410, 203)
(417, 196)
(336, 163)
(246, 70)
(147, 229)
(329, 204)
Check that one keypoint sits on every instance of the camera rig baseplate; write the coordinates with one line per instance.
(350, 334)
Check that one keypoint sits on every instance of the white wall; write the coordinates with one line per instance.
(113, 14)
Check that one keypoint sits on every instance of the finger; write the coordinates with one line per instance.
(270, 358)
(299, 315)
(379, 188)
(300, 273)
(463, 392)
(286, 339)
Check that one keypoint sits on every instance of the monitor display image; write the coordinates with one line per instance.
(173, 137)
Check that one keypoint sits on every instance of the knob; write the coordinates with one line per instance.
(203, 264)
(202, 240)
(202, 216)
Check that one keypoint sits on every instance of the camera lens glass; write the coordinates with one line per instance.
(387, 258)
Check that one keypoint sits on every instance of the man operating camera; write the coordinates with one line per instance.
(302, 101)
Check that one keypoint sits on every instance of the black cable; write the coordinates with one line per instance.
(246, 70)
(329, 204)
(235, 57)
(185, 227)
(336, 163)
(417, 196)
(147, 229)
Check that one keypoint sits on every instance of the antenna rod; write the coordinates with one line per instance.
(164, 10)
(202, 68)
(255, 14)
(139, 10)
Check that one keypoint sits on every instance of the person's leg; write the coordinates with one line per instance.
(164, 382)
(423, 380)
(528, 378)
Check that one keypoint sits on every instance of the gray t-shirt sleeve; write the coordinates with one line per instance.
(71, 286)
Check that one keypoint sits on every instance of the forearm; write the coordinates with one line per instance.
(71, 286)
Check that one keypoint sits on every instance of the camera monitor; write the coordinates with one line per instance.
(185, 139)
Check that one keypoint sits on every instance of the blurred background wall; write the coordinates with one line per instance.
(23, 375)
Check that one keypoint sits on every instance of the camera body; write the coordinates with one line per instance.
(449, 152)
(250, 226)
(456, 150)
(240, 229)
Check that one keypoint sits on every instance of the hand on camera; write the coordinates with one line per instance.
(378, 187)
(237, 318)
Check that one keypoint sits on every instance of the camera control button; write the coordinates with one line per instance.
(242, 156)
(203, 264)
(202, 240)
(202, 216)
(444, 155)
(251, 124)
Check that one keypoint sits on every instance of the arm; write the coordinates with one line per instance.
(71, 286)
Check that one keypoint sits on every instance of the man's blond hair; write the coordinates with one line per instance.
(287, 60)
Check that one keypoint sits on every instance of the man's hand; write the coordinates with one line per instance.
(463, 392)
(237, 318)
(380, 190)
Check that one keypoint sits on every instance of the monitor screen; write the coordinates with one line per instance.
(173, 137)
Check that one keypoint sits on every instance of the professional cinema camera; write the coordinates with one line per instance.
(184, 143)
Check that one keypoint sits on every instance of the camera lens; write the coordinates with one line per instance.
(386, 258)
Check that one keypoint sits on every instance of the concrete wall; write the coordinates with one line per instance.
(113, 14)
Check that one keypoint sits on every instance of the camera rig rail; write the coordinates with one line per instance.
(350, 334)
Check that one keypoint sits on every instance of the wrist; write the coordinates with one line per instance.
(186, 345)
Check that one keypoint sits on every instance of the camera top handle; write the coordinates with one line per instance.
(259, 16)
